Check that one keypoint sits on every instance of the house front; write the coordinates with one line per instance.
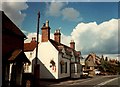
(56, 59)
(91, 64)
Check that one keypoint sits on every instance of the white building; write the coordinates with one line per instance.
(56, 59)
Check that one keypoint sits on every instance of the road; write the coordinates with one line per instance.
(97, 81)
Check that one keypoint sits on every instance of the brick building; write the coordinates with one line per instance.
(13, 56)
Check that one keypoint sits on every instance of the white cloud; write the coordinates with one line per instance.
(54, 8)
(91, 37)
(102, 38)
(65, 39)
(70, 14)
(30, 35)
(13, 10)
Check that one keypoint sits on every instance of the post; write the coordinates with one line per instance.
(37, 38)
(36, 65)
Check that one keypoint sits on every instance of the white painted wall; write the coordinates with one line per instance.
(46, 53)
(30, 55)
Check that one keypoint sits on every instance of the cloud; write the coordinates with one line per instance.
(13, 11)
(102, 38)
(91, 37)
(70, 14)
(30, 35)
(54, 8)
(57, 9)
(65, 39)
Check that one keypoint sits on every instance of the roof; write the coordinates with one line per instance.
(30, 46)
(18, 55)
(59, 46)
(9, 26)
(95, 59)
(68, 50)
(15, 54)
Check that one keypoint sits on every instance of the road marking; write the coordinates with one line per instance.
(103, 83)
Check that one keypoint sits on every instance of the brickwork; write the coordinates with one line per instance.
(57, 36)
(72, 44)
(45, 32)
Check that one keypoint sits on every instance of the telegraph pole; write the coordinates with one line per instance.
(36, 65)
(37, 37)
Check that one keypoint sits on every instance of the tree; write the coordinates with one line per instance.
(106, 58)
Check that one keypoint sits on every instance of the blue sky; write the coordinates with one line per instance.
(88, 12)
(92, 25)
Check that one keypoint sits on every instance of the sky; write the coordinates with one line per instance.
(92, 25)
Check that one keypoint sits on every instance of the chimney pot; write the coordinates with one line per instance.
(33, 39)
(45, 32)
(57, 36)
(72, 44)
(47, 23)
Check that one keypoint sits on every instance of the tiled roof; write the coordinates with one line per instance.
(59, 46)
(95, 61)
(18, 55)
(9, 26)
(68, 50)
(30, 46)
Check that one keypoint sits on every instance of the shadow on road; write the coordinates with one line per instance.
(48, 82)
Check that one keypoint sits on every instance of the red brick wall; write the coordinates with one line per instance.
(72, 45)
(57, 37)
(45, 34)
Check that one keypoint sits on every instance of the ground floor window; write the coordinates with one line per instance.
(72, 68)
(75, 68)
(26, 67)
(63, 67)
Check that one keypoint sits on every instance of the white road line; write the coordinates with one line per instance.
(103, 83)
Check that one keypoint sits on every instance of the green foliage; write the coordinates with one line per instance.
(110, 68)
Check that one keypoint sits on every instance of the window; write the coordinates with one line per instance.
(63, 67)
(26, 67)
(78, 68)
(75, 68)
(72, 68)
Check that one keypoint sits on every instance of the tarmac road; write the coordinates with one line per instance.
(97, 81)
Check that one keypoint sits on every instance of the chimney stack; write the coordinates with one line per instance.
(33, 39)
(57, 36)
(72, 44)
(45, 32)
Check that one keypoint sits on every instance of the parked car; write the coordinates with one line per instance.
(85, 74)
(97, 72)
